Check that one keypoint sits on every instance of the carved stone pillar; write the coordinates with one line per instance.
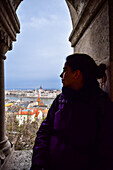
(5, 146)
(9, 27)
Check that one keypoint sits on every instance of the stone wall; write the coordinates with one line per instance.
(91, 33)
(95, 40)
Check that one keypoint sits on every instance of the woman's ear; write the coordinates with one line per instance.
(77, 74)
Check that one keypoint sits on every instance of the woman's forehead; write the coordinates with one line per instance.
(66, 64)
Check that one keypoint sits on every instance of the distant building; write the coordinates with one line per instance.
(38, 103)
(34, 110)
(28, 115)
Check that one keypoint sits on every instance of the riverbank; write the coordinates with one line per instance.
(10, 98)
(35, 97)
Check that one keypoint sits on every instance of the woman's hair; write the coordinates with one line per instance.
(83, 62)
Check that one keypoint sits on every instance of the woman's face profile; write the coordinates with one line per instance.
(67, 76)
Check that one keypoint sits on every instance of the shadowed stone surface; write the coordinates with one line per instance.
(20, 160)
(92, 33)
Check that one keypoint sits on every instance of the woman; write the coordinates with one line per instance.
(78, 131)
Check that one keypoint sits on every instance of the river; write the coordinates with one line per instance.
(45, 101)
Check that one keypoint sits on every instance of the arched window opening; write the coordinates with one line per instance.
(34, 66)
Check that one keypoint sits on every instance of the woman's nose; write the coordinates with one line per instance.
(61, 75)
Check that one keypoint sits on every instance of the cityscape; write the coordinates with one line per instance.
(24, 112)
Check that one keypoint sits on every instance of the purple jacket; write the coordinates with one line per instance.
(77, 133)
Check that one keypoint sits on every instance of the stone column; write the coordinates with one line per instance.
(5, 146)
(2, 110)
(9, 27)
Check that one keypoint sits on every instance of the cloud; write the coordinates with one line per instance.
(39, 23)
(41, 47)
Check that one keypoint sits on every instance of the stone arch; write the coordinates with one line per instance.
(76, 8)
(73, 12)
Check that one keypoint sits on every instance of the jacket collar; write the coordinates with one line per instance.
(85, 93)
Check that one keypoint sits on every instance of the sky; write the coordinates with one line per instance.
(39, 53)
